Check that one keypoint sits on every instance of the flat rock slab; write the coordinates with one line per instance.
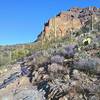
(29, 95)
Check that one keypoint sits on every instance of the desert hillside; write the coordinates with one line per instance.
(62, 64)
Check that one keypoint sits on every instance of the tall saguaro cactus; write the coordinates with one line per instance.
(92, 22)
(91, 28)
(54, 25)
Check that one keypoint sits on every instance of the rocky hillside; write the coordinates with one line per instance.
(75, 20)
(63, 64)
(69, 21)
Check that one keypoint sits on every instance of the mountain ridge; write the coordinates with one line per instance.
(68, 21)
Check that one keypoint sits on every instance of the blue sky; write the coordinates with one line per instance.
(22, 20)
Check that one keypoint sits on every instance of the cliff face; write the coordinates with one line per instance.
(67, 22)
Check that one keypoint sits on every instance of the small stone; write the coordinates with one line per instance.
(66, 77)
(81, 96)
(40, 70)
(63, 98)
(73, 83)
(75, 71)
(45, 77)
(76, 74)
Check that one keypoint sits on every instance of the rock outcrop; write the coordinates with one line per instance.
(68, 21)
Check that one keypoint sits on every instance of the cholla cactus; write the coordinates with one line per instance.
(87, 41)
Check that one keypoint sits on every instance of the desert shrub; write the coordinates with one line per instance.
(97, 26)
(40, 57)
(4, 60)
(17, 54)
(57, 59)
(98, 39)
(85, 29)
(69, 51)
(98, 54)
(77, 33)
(89, 65)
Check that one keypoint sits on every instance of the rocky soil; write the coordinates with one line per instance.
(66, 79)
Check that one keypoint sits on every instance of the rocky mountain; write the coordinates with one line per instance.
(69, 21)
(62, 64)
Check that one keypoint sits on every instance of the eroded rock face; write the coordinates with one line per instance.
(61, 25)
(68, 22)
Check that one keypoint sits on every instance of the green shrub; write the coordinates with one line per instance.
(98, 54)
(17, 54)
